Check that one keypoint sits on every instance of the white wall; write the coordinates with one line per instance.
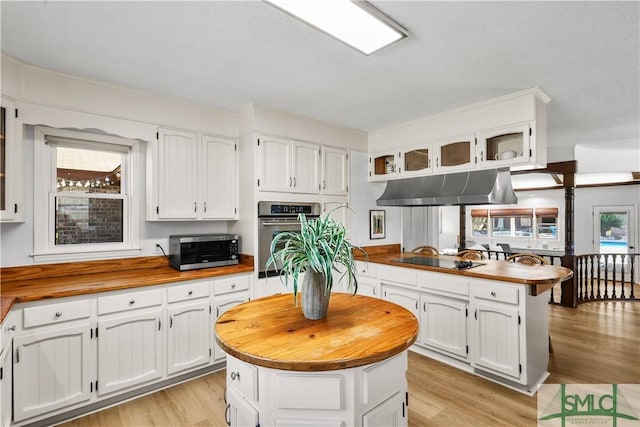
(362, 198)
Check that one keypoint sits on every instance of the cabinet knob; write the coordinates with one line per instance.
(235, 376)
(58, 314)
(132, 301)
(493, 293)
(190, 293)
(12, 328)
(233, 286)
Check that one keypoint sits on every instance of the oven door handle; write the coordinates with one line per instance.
(280, 223)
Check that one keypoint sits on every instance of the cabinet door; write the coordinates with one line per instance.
(505, 146)
(444, 325)
(331, 205)
(129, 351)
(177, 175)
(335, 171)
(10, 163)
(455, 154)
(368, 287)
(6, 382)
(274, 156)
(51, 370)
(188, 336)
(239, 412)
(305, 168)
(383, 166)
(416, 161)
(218, 178)
(223, 304)
(405, 298)
(497, 338)
(390, 413)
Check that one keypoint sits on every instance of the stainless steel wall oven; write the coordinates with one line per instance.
(275, 218)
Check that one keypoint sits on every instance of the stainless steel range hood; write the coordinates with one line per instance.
(491, 186)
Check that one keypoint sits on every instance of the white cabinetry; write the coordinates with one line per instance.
(373, 395)
(335, 171)
(444, 325)
(190, 326)
(51, 361)
(288, 166)
(331, 205)
(11, 169)
(367, 274)
(191, 176)
(505, 146)
(7, 332)
(129, 340)
(455, 154)
(383, 165)
(416, 160)
(228, 293)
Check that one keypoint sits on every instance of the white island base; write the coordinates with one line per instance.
(368, 395)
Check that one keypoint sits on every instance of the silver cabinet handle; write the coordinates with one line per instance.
(482, 156)
(190, 293)
(205, 207)
(12, 328)
(290, 181)
(493, 293)
(171, 321)
(294, 181)
(58, 314)
(324, 184)
(132, 301)
(235, 375)
(195, 207)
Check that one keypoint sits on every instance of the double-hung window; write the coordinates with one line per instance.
(84, 206)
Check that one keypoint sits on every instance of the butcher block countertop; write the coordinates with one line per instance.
(33, 283)
(539, 277)
(358, 330)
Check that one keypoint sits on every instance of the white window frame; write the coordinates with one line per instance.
(44, 183)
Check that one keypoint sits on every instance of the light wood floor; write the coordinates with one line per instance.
(596, 343)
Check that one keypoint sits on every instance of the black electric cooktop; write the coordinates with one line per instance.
(440, 263)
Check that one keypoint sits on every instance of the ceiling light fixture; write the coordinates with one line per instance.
(356, 23)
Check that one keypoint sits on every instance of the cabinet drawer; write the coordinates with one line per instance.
(309, 392)
(499, 293)
(367, 269)
(243, 377)
(188, 291)
(445, 283)
(129, 301)
(231, 284)
(405, 276)
(56, 313)
(382, 379)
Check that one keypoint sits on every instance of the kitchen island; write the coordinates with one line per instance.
(491, 320)
(347, 369)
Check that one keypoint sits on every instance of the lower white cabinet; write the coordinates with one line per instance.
(129, 351)
(497, 339)
(443, 325)
(189, 336)
(222, 304)
(391, 413)
(51, 370)
(403, 297)
(371, 395)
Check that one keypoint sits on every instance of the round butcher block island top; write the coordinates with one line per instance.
(358, 330)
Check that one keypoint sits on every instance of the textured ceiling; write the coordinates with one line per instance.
(584, 55)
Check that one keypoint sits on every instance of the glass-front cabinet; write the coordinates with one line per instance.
(455, 154)
(383, 166)
(416, 160)
(10, 163)
(505, 146)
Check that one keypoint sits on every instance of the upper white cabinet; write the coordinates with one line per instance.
(508, 131)
(288, 166)
(335, 171)
(416, 160)
(191, 176)
(11, 181)
(455, 154)
(383, 166)
(505, 146)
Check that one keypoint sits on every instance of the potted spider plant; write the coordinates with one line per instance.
(317, 251)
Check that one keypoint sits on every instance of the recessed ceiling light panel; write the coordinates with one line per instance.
(357, 24)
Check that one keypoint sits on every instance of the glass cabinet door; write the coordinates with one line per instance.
(505, 146)
(416, 161)
(382, 166)
(456, 153)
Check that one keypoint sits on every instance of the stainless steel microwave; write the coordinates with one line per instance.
(195, 251)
